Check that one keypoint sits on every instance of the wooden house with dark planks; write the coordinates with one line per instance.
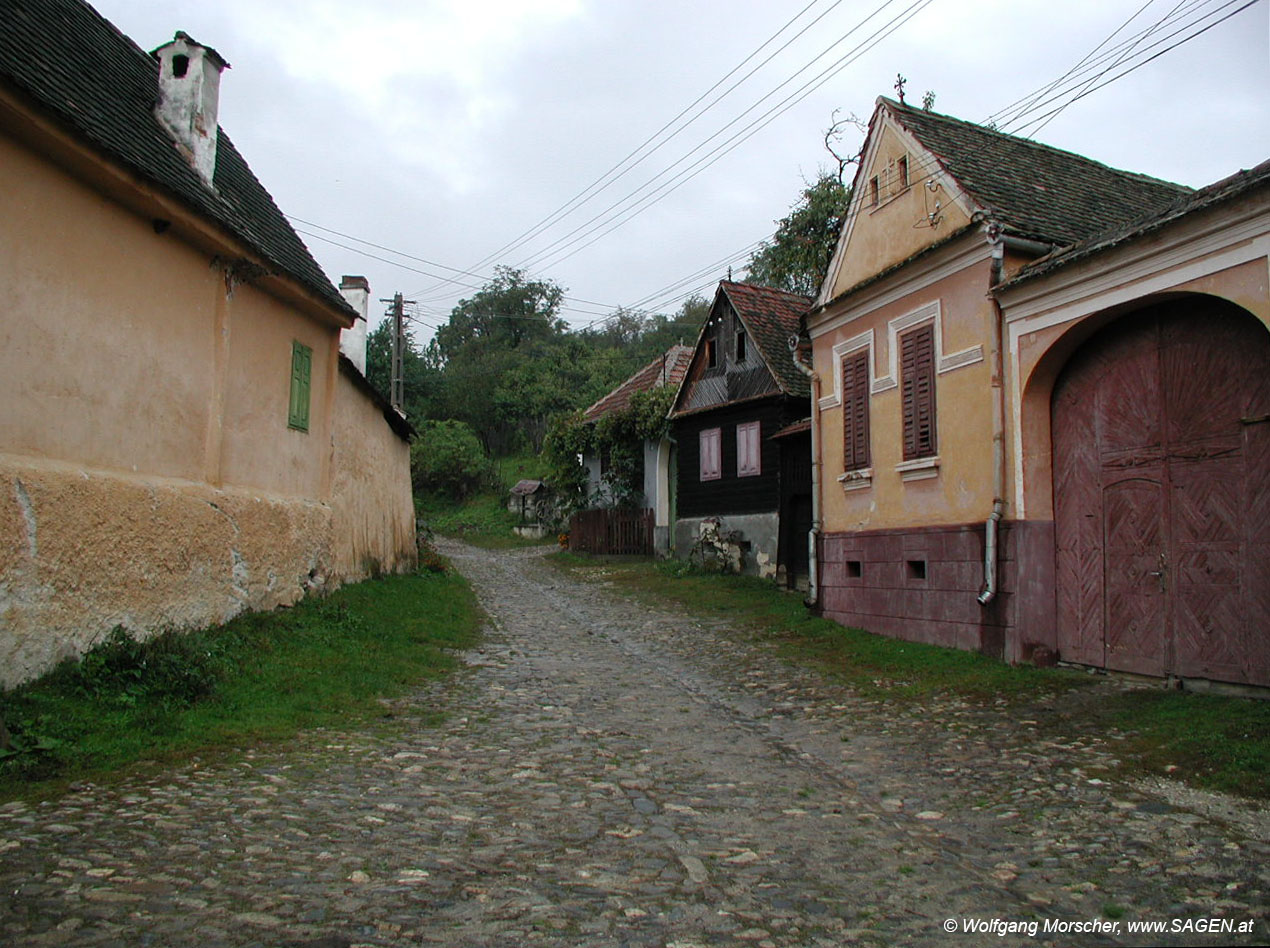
(742, 430)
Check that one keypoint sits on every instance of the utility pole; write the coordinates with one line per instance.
(396, 394)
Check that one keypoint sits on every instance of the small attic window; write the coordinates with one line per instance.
(180, 66)
(875, 191)
(740, 344)
(901, 173)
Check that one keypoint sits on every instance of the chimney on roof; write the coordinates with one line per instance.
(189, 99)
(356, 292)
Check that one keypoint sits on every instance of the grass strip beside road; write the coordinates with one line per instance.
(325, 662)
(1209, 741)
(482, 521)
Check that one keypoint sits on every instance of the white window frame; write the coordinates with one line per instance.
(749, 449)
(710, 442)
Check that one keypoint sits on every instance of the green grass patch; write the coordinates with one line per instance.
(519, 467)
(482, 520)
(1209, 741)
(1214, 741)
(262, 676)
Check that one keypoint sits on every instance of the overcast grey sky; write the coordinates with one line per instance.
(445, 130)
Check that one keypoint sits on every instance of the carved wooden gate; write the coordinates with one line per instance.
(1161, 433)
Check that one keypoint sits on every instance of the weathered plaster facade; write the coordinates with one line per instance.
(152, 473)
(1028, 257)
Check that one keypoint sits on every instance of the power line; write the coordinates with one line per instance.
(1186, 39)
(611, 176)
(664, 190)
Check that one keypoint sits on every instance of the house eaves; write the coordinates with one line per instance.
(72, 85)
(1220, 192)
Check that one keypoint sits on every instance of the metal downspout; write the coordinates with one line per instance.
(813, 535)
(989, 590)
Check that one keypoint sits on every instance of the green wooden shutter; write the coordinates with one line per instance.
(301, 376)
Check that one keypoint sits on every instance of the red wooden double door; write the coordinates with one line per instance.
(1161, 435)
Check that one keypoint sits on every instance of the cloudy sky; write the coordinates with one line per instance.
(631, 151)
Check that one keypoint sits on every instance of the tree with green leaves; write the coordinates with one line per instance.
(797, 257)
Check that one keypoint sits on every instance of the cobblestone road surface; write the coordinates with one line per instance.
(612, 775)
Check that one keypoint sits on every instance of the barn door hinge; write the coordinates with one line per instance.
(1256, 420)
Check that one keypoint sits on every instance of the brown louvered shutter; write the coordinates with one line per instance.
(917, 381)
(855, 411)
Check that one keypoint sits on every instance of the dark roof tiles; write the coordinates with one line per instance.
(97, 83)
(668, 369)
(1034, 190)
(1219, 192)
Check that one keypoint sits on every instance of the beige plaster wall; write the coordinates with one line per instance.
(962, 491)
(123, 349)
(372, 506)
(147, 474)
(899, 226)
(83, 550)
(91, 366)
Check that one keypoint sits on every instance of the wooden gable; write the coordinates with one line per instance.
(727, 366)
(903, 201)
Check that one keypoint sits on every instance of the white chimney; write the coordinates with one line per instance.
(189, 98)
(356, 291)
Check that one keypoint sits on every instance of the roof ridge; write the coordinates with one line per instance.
(904, 107)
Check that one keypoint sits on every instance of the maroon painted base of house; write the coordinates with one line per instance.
(922, 584)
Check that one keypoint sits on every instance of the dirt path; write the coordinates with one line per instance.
(612, 775)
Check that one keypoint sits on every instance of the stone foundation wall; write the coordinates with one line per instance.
(921, 584)
(758, 536)
(83, 551)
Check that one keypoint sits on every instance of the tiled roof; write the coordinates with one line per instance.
(668, 369)
(100, 86)
(1219, 192)
(1033, 190)
(772, 316)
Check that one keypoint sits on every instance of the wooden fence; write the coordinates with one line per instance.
(624, 532)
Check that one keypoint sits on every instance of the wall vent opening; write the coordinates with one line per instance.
(855, 569)
(916, 569)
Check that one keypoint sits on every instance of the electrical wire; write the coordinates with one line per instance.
(626, 214)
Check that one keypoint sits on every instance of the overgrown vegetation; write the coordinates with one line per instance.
(446, 459)
(482, 518)
(619, 438)
(321, 663)
(1210, 741)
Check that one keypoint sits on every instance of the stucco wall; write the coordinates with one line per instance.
(960, 488)
(148, 476)
(122, 349)
(372, 508)
(900, 224)
(84, 550)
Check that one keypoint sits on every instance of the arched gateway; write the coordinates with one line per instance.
(1161, 440)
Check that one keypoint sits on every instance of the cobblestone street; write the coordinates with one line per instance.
(611, 775)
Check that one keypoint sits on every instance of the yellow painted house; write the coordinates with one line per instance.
(180, 438)
(1043, 406)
